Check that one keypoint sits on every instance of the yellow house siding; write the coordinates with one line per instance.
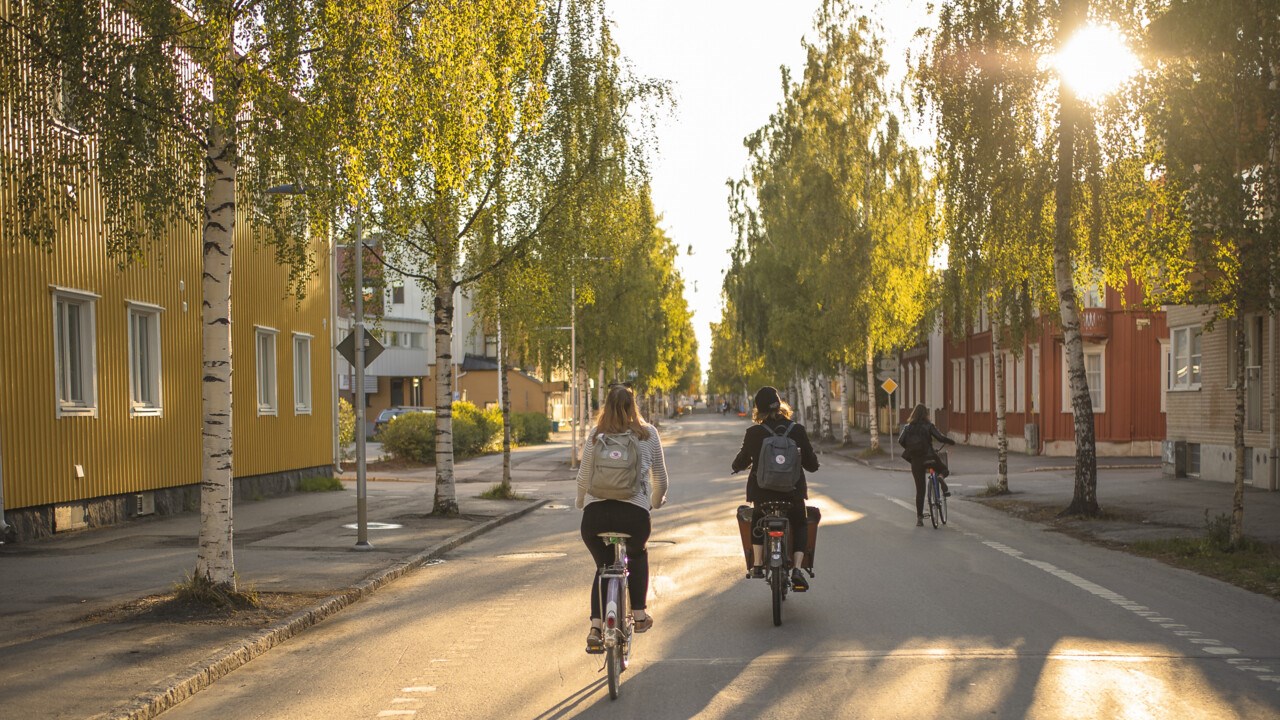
(119, 453)
(287, 440)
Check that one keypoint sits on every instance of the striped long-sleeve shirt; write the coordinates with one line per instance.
(653, 472)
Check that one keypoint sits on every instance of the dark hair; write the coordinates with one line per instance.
(920, 413)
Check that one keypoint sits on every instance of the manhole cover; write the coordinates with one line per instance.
(554, 506)
(374, 526)
(531, 555)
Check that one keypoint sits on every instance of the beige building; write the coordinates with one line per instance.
(1200, 397)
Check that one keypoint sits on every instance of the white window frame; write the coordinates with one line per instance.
(958, 379)
(1183, 355)
(1097, 394)
(1164, 373)
(1020, 383)
(265, 355)
(302, 373)
(85, 371)
(154, 405)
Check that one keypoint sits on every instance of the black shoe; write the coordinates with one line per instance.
(946, 493)
(919, 521)
(757, 572)
(798, 583)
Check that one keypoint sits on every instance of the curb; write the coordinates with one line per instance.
(204, 673)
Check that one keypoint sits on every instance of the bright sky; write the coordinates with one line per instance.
(723, 57)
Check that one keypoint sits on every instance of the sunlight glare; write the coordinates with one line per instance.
(1095, 62)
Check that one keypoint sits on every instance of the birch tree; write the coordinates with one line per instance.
(173, 117)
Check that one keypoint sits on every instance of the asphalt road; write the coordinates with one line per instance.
(988, 617)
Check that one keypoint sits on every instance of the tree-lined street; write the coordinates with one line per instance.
(985, 617)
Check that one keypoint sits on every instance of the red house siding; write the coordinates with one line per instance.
(1131, 421)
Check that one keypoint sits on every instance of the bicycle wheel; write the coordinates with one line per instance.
(776, 581)
(942, 507)
(613, 661)
(933, 499)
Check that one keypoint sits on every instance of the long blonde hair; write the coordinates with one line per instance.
(620, 413)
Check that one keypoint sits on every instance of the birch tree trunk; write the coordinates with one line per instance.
(215, 559)
(846, 405)
(815, 415)
(828, 432)
(873, 424)
(1002, 435)
(1237, 496)
(1085, 498)
(446, 498)
(600, 386)
(504, 402)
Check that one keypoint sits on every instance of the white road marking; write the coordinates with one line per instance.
(1207, 645)
(397, 713)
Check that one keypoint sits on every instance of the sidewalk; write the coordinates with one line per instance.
(78, 643)
(1131, 488)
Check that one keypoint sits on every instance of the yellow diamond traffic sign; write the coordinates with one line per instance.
(889, 386)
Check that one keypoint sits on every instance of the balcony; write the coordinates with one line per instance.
(1094, 323)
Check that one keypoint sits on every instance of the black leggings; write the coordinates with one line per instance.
(917, 474)
(618, 516)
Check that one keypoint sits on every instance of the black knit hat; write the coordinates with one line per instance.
(767, 399)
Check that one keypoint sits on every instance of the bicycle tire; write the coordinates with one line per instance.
(942, 507)
(613, 662)
(775, 585)
(933, 499)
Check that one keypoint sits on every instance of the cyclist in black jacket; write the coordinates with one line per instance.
(919, 424)
(770, 414)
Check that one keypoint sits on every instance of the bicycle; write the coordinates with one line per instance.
(775, 531)
(618, 628)
(933, 495)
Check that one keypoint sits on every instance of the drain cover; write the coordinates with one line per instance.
(531, 555)
(374, 526)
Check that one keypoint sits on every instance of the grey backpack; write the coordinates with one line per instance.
(778, 467)
(615, 467)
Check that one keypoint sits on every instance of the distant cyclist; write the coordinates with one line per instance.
(620, 416)
(917, 438)
(772, 416)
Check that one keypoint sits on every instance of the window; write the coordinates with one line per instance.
(1184, 365)
(1094, 293)
(266, 350)
(397, 292)
(1035, 379)
(1094, 374)
(957, 385)
(1252, 342)
(491, 346)
(144, 359)
(977, 385)
(415, 340)
(75, 360)
(301, 374)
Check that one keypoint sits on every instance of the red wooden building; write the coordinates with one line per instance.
(1125, 362)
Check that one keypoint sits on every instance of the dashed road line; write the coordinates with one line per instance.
(1209, 646)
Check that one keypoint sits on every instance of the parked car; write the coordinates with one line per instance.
(386, 416)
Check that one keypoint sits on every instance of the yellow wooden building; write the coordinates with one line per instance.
(100, 407)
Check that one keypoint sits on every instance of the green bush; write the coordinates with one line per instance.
(346, 425)
(411, 436)
(476, 431)
(530, 428)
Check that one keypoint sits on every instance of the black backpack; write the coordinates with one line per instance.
(778, 466)
(915, 441)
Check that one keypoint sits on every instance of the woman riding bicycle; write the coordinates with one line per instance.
(620, 416)
(772, 416)
(924, 433)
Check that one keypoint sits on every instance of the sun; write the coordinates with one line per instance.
(1095, 62)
